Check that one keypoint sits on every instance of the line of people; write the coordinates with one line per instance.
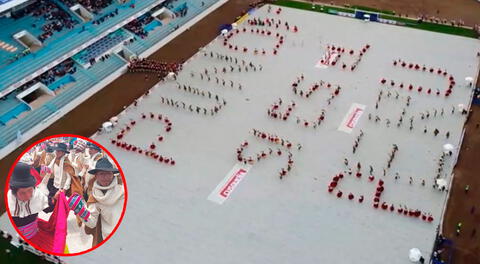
(388, 122)
(334, 53)
(231, 59)
(424, 115)
(150, 151)
(357, 142)
(266, 33)
(220, 102)
(417, 67)
(272, 22)
(274, 139)
(391, 155)
(377, 203)
(440, 167)
(219, 81)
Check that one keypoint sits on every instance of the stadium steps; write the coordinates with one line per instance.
(17, 70)
(67, 9)
(104, 68)
(9, 133)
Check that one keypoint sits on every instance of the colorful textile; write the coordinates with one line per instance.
(29, 230)
(78, 206)
(52, 234)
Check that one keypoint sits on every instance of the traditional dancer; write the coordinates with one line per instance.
(26, 201)
(63, 174)
(95, 154)
(106, 202)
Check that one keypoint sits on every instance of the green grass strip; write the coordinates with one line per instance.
(440, 28)
(308, 6)
(446, 29)
(371, 9)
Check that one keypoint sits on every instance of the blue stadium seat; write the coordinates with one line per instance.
(101, 46)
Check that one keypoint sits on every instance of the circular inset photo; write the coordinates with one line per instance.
(66, 195)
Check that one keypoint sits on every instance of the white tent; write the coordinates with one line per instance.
(107, 126)
(415, 255)
(441, 183)
(171, 75)
(448, 147)
(469, 80)
(224, 32)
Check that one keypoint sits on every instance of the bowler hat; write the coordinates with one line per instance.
(103, 164)
(61, 147)
(21, 176)
(49, 149)
(93, 146)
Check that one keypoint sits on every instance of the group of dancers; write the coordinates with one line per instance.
(377, 203)
(236, 65)
(334, 53)
(371, 177)
(313, 88)
(280, 141)
(162, 69)
(218, 81)
(274, 110)
(120, 142)
(402, 115)
(220, 102)
(402, 209)
(274, 139)
(233, 60)
(417, 67)
(265, 154)
(256, 51)
(391, 156)
(265, 23)
(424, 115)
(271, 22)
(60, 175)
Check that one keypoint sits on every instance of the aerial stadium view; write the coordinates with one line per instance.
(239, 131)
